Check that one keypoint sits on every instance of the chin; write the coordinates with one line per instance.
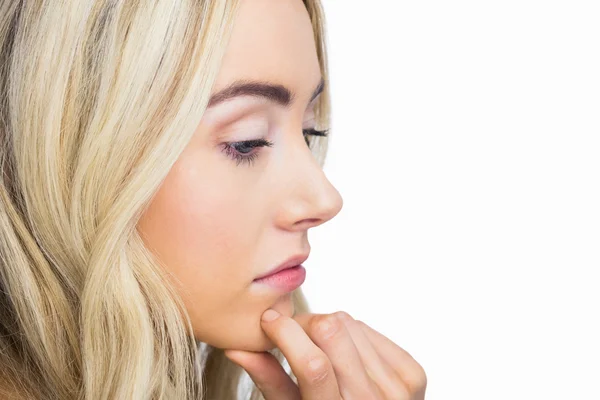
(247, 333)
(254, 339)
(260, 343)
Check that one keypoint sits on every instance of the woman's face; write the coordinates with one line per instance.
(218, 223)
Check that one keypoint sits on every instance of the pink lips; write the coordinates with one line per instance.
(286, 280)
(287, 277)
(290, 262)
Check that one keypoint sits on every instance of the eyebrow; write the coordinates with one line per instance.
(276, 93)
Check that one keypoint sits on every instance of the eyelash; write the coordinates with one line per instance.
(230, 147)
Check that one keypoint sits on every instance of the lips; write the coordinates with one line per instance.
(289, 263)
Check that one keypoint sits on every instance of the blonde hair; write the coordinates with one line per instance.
(97, 101)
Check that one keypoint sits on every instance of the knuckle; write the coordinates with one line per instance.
(327, 326)
(417, 380)
(361, 324)
(398, 392)
(393, 387)
(318, 370)
(344, 316)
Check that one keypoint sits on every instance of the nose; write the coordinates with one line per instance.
(310, 199)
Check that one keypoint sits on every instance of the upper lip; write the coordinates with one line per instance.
(289, 263)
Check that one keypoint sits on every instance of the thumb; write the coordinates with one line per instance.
(267, 374)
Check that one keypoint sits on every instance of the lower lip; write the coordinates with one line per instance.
(287, 280)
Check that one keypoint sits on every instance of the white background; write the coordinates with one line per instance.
(466, 145)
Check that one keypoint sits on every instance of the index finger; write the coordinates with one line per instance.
(316, 378)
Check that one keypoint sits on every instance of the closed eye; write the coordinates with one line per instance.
(313, 132)
(242, 152)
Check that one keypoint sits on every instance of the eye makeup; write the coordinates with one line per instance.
(244, 151)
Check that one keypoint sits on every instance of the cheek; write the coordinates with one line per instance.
(192, 225)
(207, 229)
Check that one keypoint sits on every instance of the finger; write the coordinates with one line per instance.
(267, 374)
(329, 332)
(409, 370)
(386, 380)
(310, 364)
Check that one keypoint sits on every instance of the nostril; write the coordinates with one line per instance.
(309, 222)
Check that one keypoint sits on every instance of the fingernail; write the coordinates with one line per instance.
(270, 315)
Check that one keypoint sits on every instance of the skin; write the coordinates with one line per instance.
(217, 225)
(333, 356)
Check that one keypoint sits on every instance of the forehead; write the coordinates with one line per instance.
(272, 40)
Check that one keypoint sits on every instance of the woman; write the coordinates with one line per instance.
(159, 158)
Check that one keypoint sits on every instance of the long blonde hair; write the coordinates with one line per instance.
(97, 101)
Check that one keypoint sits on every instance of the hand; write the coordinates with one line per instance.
(333, 356)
